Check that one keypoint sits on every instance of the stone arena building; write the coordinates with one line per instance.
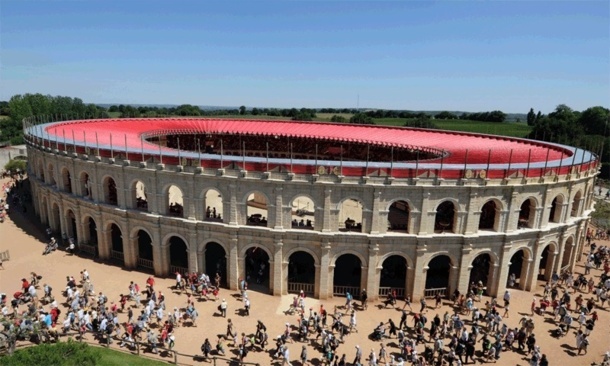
(327, 208)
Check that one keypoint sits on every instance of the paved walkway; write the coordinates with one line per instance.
(23, 238)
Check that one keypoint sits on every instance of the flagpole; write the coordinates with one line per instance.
(391, 161)
(267, 143)
(111, 150)
(546, 161)
(417, 164)
(126, 153)
(97, 144)
(341, 162)
(221, 155)
(465, 162)
(510, 159)
(291, 157)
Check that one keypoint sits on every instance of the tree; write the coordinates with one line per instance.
(445, 115)
(594, 120)
(531, 117)
(242, 110)
(255, 111)
(362, 119)
(336, 118)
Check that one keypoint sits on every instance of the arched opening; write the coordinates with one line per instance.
(145, 250)
(138, 196)
(41, 171)
(216, 262)
(576, 204)
(480, 270)
(213, 206)
(437, 275)
(51, 172)
(301, 273)
(567, 254)
(517, 271)
(350, 215)
(398, 216)
(257, 269)
(347, 275)
(445, 217)
(527, 214)
(487, 221)
(175, 202)
(545, 267)
(256, 209)
(67, 182)
(303, 213)
(393, 276)
(55, 224)
(116, 238)
(91, 234)
(555, 213)
(85, 185)
(71, 223)
(110, 191)
(178, 255)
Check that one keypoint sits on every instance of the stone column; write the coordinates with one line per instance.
(152, 199)
(276, 268)
(373, 272)
(538, 219)
(460, 225)
(492, 280)
(502, 272)
(514, 208)
(419, 285)
(192, 251)
(133, 245)
(426, 223)
(329, 212)
(453, 279)
(463, 279)
(165, 264)
(471, 222)
(279, 205)
(233, 267)
(317, 283)
(502, 217)
(325, 272)
(535, 267)
(104, 246)
(199, 209)
(230, 210)
(129, 254)
(80, 237)
(526, 273)
(285, 277)
(375, 219)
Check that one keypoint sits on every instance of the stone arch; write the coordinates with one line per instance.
(90, 227)
(174, 200)
(394, 269)
(568, 249)
(55, 223)
(215, 260)
(256, 205)
(110, 190)
(301, 272)
(547, 261)
(138, 197)
(178, 249)
(490, 219)
(438, 271)
(40, 170)
(399, 215)
(114, 236)
(66, 181)
(527, 213)
(303, 208)
(51, 172)
(482, 268)
(313, 254)
(348, 251)
(85, 184)
(347, 274)
(445, 218)
(410, 263)
(518, 267)
(351, 213)
(71, 224)
(556, 209)
(213, 204)
(257, 265)
(576, 204)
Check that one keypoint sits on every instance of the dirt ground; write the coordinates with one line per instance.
(23, 236)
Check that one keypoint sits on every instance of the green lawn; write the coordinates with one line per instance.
(108, 357)
(504, 129)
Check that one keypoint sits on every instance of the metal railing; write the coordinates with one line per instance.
(384, 291)
(181, 270)
(432, 292)
(145, 263)
(89, 249)
(296, 287)
(343, 290)
(117, 255)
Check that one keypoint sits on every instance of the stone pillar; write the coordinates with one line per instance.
(80, 237)
(279, 205)
(129, 255)
(502, 218)
(463, 278)
(538, 219)
(165, 264)
(230, 210)
(410, 280)
(565, 213)
(325, 291)
(534, 267)
(502, 272)
(157, 253)
(329, 212)
(383, 221)
(133, 245)
(373, 272)
(453, 279)
(104, 246)
(492, 280)
(317, 283)
(276, 268)
(460, 225)
(367, 216)
(526, 273)
(375, 219)
(426, 222)
(471, 222)
(233, 268)
(154, 200)
(285, 277)
(199, 209)
(419, 285)
(192, 251)
(514, 208)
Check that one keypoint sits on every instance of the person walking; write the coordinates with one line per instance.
(358, 357)
(304, 355)
(223, 308)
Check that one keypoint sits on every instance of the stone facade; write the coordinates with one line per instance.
(67, 186)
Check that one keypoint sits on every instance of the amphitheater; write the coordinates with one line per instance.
(320, 207)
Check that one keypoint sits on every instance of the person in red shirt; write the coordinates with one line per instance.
(150, 281)
(25, 284)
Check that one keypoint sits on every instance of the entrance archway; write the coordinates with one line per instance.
(91, 231)
(567, 254)
(545, 267)
(116, 238)
(178, 256)
(437, 275)
(145, 250)
(347, 275)
(301, 273)
(216, 262)
(481, 270)
(257, 269)
(518, 267)
(55, 224)
(393, 276)
(71, 229)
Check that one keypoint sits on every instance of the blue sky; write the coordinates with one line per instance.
(458, 55)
